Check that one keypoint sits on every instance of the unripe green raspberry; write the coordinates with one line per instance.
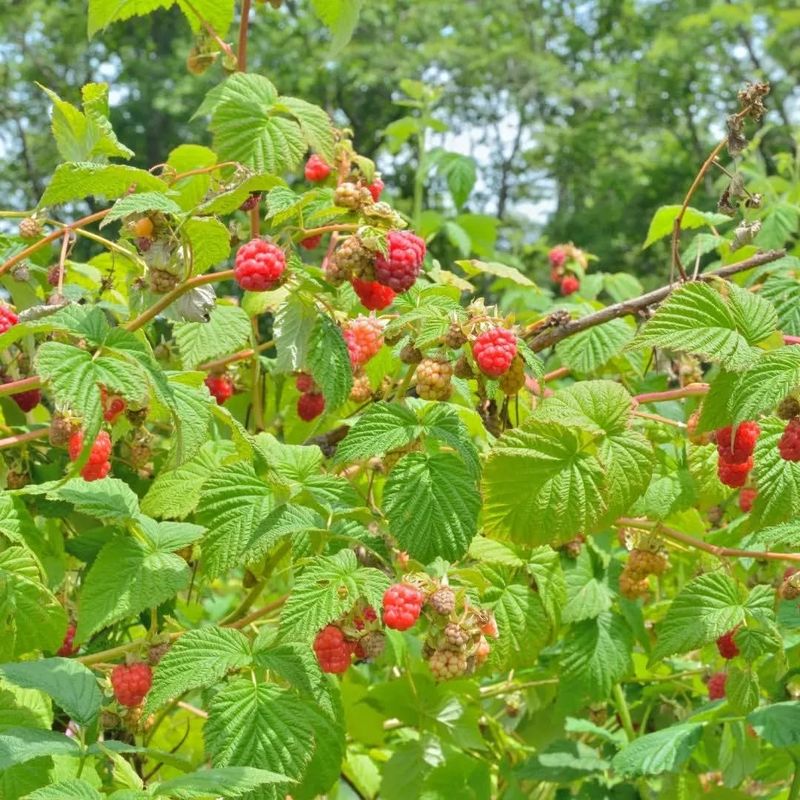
(514, 379)
(353, 259)
(362, 390)
(349, 195)
(162, 281)
(463, 369)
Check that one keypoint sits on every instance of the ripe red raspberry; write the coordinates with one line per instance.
(310, 406)
(789, 443)
(101, 449)
(220, 386)
(375, 189)
(333, 651)
(363, 338)
(746, 499)
(311, 242)
(494, 350)
(373, 295)
(716, 686)
(402, 604)
(569, 285)
(305, 383)
(259, 265)
(737, 450)
(25, 400)
(66, 648)
(734, 475)
(401, 264)
(317, 169)
(7, 318)
(557, 256)
(131, 683)
(726, 646)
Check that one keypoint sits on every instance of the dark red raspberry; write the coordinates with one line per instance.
(333, 651)
(310, 405)
(569, 285)
(363, 338)
(494, 350)
(7, 318)
(400, 266)
(375, 189)
(368, 615)
(402, 604)
(259, 265)
(734, 475)
(373, 295)
(25, 400)
(317, 169)
(251, 202)
(726, 646)
(789, 443)
(220, 386)
(746, 499)
(131, 683)
(66, 648)
(557, 256)
(716, 686)
(305, 383)
(736, 450)
(311, 242)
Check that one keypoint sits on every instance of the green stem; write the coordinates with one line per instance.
(794, 790)
(404, 384)
(624, 712)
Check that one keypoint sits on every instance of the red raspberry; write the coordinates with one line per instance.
(489, 628)
(101, 449)
(131, 683)
(251, 202)
(789, 443)
(333, 651)
(734, 475)
(375, 189)
(400, 266)
(66, 648)
(726, 646)
(310, 406)
(311, 242)
(94, 472)
(25, 400)
(305, 383)
(317, 169)
(360, 620)
(557, 256)
(7, 318)
(113, 405)
(373, 295)
(220, 386)
(569, 285)
(746, 499)
(363, 337)
(716, 686)
(402, 604)
(259, 265)
(740, 448)
(494, 351)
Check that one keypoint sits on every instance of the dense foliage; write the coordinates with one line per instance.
(295, 507)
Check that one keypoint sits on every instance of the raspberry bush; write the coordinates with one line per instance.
(297, 504)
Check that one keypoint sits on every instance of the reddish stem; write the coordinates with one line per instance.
(791, 339)
(21, 438)
(243, 26)
(17, 387)
(692, 390)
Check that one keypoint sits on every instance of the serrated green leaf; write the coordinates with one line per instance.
(329, 362)
(742, 690)
(286, 520)
(222, 781)
(778, 724)
(191, 190)
(210, 243)
(784, 294)
(588, 351)
(563, 762)
(194, 411)
(340, 16)
(474, 267)
(108, 498)
(294, 322)
(200, 657)
(18, 745)
(655, 753)
(381, 428)
(79, 180)
(71, 789)
(314, 123)
(664, 219)
(227, 331)
(139, 204)
(587, 593)
(103, 12)
(522, 625)
(440, 421)
(461, 173)
(778, 480)
(772, 377)
(229, 200)
(432, 504)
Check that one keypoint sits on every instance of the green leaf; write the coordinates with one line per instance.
(440, 421)
(778, 724)
(216, 13)
(706, 607)
(139, 204)
(461, 173)
(222, 781)
(778, 226)
(127, 577)
(294, 322)
(545, 568)
(286, 520)
(191, 190)
(381, 428)
(108, 498)
(522, 625)
(588, 351)
(71, 685)
(778, 480)
(586, 592)
(18, 745)
(78, 180)
(329, 362)
(562, 762)
(664, 219)
(227, 331)
(228, 201)
(432, 504)
(655, 753)
(233, 503)
(596, 655)
(718, 325)
(326, 590)
(742, 690)
(340, 16)
(194, 411)
(199, 658)
(103, 12)
(760, 389)
(314, 123)
(475, 267)
(262, 726)
(71, 789)
(784, 294)
(210, 243)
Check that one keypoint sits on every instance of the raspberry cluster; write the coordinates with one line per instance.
(789, 443)
(735, 452)
(220, 385)
(25, 400)
(641, 563)
(727, 646)
(317, 169)
(7, 318)
(131, 683)
(716, 686)
(494, 350)
(364, 338)
(98, 465)
(373, 295)
(357, 634)
(259, 265)
(311, 242)
(334, 652)
(567, 255)
(67, 647)
(400, 266)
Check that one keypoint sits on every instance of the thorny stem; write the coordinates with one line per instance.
(347, 227)
(16, 387)
(62, 258)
